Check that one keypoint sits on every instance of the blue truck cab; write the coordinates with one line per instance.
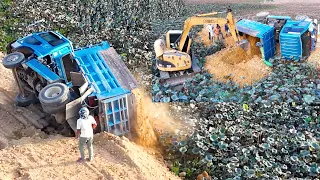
(49, 70)
(50, 48)
(297, 39)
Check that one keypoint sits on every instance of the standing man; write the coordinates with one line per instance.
(85, 125)
(210, 30)
(217, 33)
(226, 28)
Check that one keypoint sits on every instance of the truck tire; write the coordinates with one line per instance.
(13, 60)
(25, 101)
(54, 97)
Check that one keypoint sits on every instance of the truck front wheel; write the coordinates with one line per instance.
(54, 97)
(13, 60)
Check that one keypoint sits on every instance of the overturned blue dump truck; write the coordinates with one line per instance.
(62, 79)
(264, 35)
(296, 39)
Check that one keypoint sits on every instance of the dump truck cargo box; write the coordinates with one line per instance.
(112, 82)
(262, 31)
(105, 70)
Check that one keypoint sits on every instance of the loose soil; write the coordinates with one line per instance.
(55, 158)
(234, 63)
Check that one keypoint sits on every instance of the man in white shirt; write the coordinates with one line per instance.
(210, 30)
(85, 126)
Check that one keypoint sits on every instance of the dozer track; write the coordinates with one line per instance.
(175, 79)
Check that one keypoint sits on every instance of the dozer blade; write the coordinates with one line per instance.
(244, 44)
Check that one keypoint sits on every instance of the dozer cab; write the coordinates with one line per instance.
(174, 57)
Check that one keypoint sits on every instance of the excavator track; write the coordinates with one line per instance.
(179, 78)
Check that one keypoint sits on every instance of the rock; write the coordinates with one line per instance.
(29, 131)
(3, 143)
(60, 117)
(192, 106)
(182, 174)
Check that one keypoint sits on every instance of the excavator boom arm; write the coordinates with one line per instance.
(204, 19)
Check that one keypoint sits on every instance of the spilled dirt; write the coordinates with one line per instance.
(55, 158)
(234, 63)
(7, 79)
(151, 118)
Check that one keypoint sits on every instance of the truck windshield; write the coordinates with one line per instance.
(32, 40)
(52, 39)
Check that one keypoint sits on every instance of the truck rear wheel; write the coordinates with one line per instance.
(13, 60)
(54, 97)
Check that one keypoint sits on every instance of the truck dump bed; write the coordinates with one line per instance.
(112, 81)
(262, 31)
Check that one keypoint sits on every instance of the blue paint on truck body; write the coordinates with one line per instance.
(94, 67)
(112, 97)
(262, 31)
(291, 44)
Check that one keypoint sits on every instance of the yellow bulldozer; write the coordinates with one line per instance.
(174, 55)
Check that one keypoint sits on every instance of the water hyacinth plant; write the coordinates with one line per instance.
(282, 85)
(260, 143)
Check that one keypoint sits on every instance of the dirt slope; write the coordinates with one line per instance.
(55, 158)
(32, 154)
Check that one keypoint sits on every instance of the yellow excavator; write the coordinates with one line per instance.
(174, 54)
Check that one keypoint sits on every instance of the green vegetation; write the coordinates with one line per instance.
(7, 35)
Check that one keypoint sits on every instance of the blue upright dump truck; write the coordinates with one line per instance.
(49, 70)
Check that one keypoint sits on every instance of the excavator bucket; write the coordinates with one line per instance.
(244, 44)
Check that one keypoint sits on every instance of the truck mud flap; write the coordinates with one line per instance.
(119, 69)
(73, 107)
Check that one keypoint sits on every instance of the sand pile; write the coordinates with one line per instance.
(55, 158)
(244, 66)
(245, 72)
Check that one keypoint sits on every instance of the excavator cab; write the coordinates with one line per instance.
(173, 36)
